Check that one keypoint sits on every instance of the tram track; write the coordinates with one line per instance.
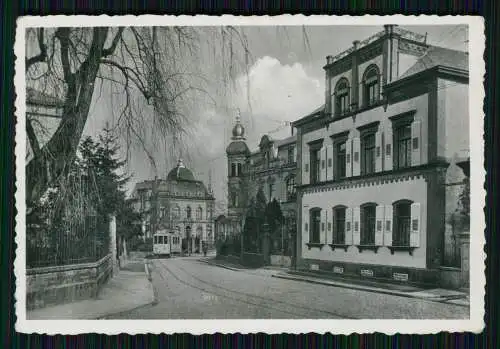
(244, 297)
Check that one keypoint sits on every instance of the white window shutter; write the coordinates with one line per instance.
(322, 164)
(329, 163)
(416, 145)
(356, 156)
(348, 158)
(388, 148)
(305, 224)
(378, 151)
(356, 226)
(379, 225)
(348, 226)
(305, 167)
(388, 226)
(415, 228)
(295, 154)
(322, 234)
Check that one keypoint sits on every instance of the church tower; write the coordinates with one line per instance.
(237, 153)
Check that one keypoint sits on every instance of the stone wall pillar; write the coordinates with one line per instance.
(266, 244)
(112, 244)
(464, 239)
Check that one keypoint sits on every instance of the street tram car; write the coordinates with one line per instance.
(166, 243)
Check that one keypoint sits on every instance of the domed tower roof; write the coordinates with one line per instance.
(180, 173)
(238, 144)
(238, 129)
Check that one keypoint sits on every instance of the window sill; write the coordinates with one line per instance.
(315, 245)
(401, 248)
(373, 248)
(334, 246)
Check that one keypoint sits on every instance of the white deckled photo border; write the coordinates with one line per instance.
(477, 179)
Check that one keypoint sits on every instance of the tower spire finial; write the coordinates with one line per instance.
(238, 129)
(238, 115)
(210, 180)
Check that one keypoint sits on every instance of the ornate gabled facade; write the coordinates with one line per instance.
(179, 203)
(271, 168)
(378, 175)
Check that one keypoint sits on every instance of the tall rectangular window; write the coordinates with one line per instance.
(315, 219)
(403, 146)
(401, 225)
(290, 188)
(315, 165)
(239, 173)
(233, 170)
(339, 225)
(340, 163)
(290, 155)
(368, 217)
(368, 154)
(271, 191)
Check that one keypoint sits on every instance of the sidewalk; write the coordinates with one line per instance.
(436, 294)
(409, 291)
(128, 290)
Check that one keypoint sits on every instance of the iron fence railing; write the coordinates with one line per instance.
(66, 227)
(83, 242)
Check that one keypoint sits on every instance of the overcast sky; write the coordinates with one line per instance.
(285, 81)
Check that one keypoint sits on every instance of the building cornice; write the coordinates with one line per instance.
(437, 71)
(378, 178)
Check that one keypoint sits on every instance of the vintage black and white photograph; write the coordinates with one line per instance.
(288, 174)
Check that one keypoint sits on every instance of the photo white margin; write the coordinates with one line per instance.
(477, 198)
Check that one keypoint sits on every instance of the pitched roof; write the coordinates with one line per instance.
(285, 141)
(311, 115)
(439, 56)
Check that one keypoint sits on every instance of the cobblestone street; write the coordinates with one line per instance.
(190, 289)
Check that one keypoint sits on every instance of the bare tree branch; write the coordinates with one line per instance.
(129, 73)
(42, 56)
(110, 50)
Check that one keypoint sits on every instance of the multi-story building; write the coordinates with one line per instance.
(179, 203)
(271, 168)
(378, 175)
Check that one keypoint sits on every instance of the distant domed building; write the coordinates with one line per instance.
(179, 203)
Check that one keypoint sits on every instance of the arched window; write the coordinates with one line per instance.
(368, 221)
(371, 85)
(199, 213)
(176, 212)
(315, 222)
(401, 223)
(290, 188)
(188, 212)
(342, 97)
(339, 221)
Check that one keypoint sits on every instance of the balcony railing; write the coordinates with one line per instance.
(406, 34)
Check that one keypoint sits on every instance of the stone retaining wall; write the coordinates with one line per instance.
(282, 261)
(63, 284)
(252, 260)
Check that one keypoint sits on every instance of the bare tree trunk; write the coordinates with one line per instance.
(54, 159)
